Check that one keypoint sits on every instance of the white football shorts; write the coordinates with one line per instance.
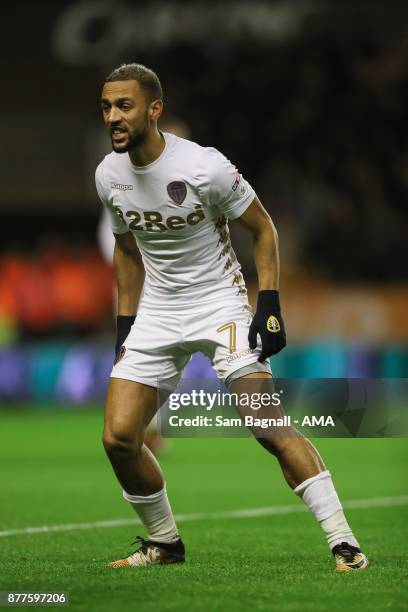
(163, 339)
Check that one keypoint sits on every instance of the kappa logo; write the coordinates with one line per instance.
(272, 324)
(120, 186)
(177, 190)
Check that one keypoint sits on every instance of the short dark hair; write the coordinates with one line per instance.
(146, 77)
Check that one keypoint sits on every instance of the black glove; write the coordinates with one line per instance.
(268, 323)
(123, 325)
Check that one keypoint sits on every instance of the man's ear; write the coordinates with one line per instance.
(155, 109)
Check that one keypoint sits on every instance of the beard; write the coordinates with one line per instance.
(134, 139)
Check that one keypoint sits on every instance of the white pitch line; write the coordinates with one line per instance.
(373, 502)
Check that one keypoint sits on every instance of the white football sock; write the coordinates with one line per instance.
(155, 513)
(321, 498)
(337, 530)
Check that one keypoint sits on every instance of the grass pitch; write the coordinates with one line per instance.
(53, 471)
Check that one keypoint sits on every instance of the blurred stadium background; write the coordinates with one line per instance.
(308, 99)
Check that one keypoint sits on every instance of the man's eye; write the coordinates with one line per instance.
(126, 107)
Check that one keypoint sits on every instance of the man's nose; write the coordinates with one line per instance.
(114, 115)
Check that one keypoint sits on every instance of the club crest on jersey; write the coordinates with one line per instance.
(177, 190)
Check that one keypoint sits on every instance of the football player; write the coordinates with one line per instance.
(181, 290)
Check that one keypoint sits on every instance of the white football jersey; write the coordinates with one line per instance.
(178, 208)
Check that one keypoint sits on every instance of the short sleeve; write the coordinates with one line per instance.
(221, 185)
(116, 223)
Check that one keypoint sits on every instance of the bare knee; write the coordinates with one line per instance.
(119, 444)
